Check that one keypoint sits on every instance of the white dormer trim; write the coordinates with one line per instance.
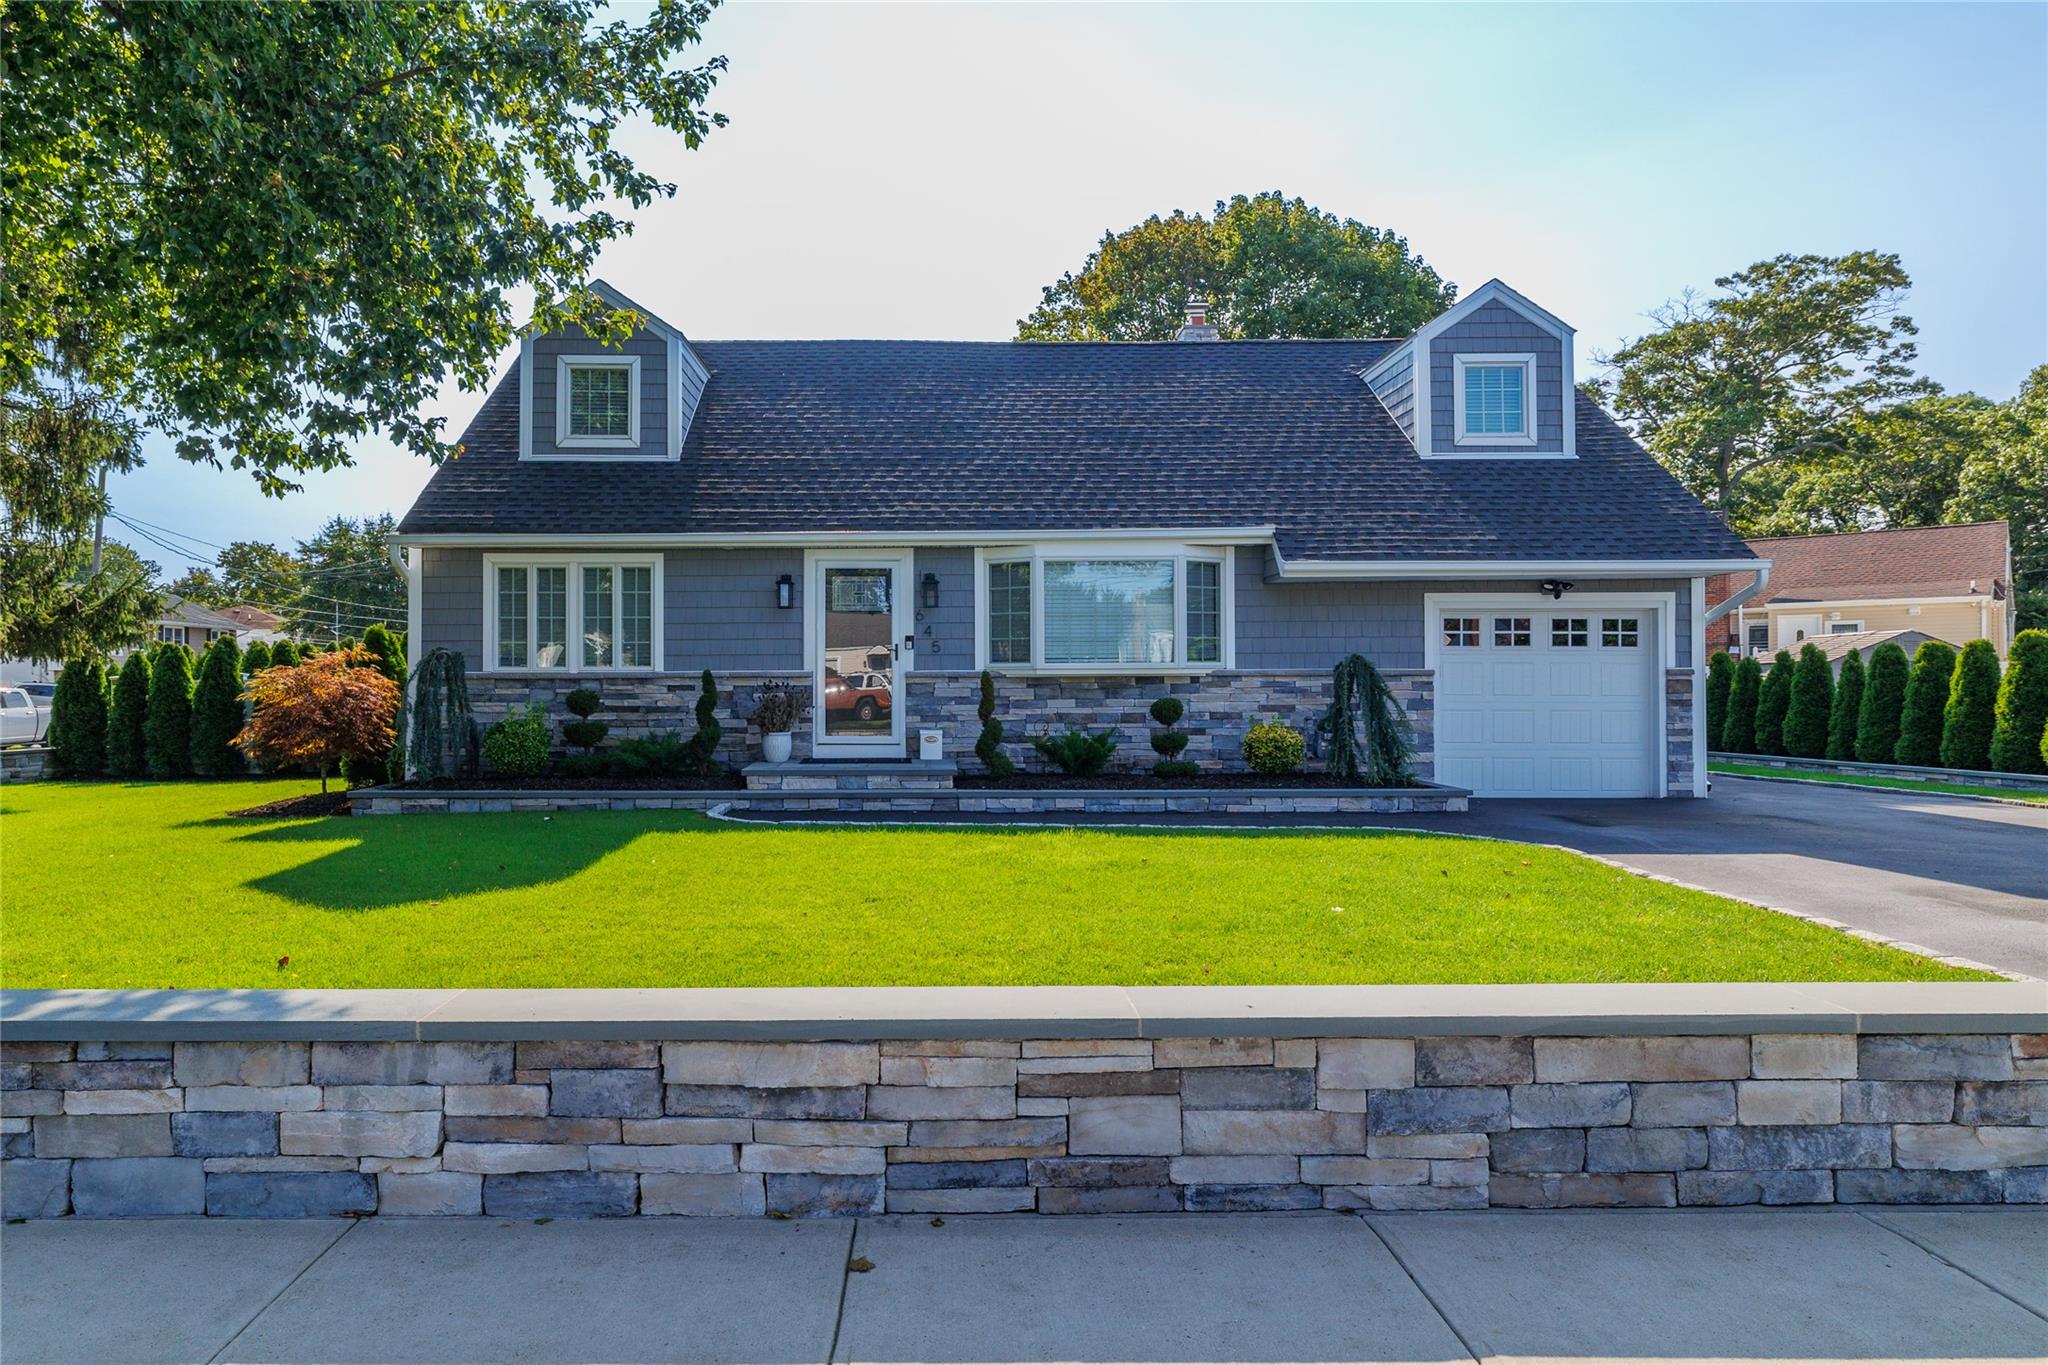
(1417, 348)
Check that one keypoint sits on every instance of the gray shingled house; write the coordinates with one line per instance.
(1095, 524)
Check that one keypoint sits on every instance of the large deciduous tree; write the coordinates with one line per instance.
(2007, 477)
(1268, 265)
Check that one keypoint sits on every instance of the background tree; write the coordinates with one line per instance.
(284, 654)
(347, 580)
(1738, 735)
(259, 574)
(78, 720)
(1934, 663)
(1720, 678)
(1884, 702)
(1971, 710)
(2006, 477)
(197, 584)
(128, 718)
(1774, 702)
(1848, 704)
(167, 731)
(273, 229)
(217, 711)
(1813, 697)
(336, 709)
(1269, 266)
(256, 657)
(2022, 706)
(1898, 466)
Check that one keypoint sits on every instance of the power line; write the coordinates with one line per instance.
(136, 524)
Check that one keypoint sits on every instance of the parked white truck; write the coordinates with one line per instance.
(23, 719)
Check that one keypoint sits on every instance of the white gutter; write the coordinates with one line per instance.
(1722, 608)
(1311, 569)
(1201, 535)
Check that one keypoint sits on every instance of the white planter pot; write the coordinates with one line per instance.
(775, 746)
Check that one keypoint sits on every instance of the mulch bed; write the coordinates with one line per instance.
(1136, 781)
(726, 779)
(296, 807)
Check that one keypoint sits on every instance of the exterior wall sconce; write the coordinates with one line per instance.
(1556, 587)
(785, 592)
(931, 590)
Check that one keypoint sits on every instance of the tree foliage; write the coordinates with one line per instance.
(78, 720)
(217, 711)
(1920, 717)
(128, 718)
(272, 229)
(348, 580)
(1720, 680)
(1813, 696)
(1848, 705)
(1969, 714)
(1774, 702)
(1268, 265)
(167, 730)
(256, 657)
(1884, 703)
(2022, 714)
(2006, 477)
(1738, 734)
(335, 707)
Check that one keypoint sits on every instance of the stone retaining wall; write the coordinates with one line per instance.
(709, 1128)
(971, 801)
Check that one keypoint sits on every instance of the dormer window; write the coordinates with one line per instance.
(1491, 395)
(597, 402)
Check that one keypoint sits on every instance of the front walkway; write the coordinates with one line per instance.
(1782, 1284)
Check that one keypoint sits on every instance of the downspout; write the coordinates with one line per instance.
(1734, 600)
(406, 561)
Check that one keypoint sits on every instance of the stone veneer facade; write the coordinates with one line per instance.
(583, 1128)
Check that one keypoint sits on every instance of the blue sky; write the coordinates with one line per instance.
(914, 171)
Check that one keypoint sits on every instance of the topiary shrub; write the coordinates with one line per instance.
(1738, 732)
(1363, 699)
(1934, 664)
(167, 730)
(1077, 753)
(127, 719)
(988, 744)
(1270, 747)
(255, 658)
(704, 744)
(583, 732)
(2019, 735)
(1168, 742)
(1813, 697)
(1720, 679)
(1970, 713)
(1884, 701)
(517, 746)
(1773, 702)
(1847, 704)
(78, 720)
(217, 711)
(441, 735)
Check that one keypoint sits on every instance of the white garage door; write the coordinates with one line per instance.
(1547, 703)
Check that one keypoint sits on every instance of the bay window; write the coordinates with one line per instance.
(573, 614)
(1083, 609)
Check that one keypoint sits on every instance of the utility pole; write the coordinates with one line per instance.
(99, 524)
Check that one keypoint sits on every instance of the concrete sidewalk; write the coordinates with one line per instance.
(1778, 1284)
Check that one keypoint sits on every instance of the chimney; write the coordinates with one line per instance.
(1198, 326)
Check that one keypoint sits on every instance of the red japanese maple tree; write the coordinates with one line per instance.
(334, 706)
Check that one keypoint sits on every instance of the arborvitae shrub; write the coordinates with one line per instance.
(1774, 702)
(217, 711)
(78, 720)
(2019, 737)
(284, 654)
(1884, 701)
(1971, 711)
(1720, 679)
(390, 653)
(127, 753)
(1934, 664)
(1738, 733)
(1848, 703)
(256, 657)
(988, 745)
(167, 732)
(1813, 696)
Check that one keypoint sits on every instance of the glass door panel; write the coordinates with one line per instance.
(858, 667)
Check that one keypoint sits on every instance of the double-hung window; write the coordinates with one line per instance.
(1082, 610)
(571, 613)
(1491, 399)
(597, 402)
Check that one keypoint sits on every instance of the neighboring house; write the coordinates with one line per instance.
(1096, 524)
(255, 623)
(1839, 646)
(1949, 582)
(185, 622)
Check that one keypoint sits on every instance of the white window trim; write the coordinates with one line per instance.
(563, 366)
(1459, 362)
(1037, 555)
(1835, 627)
(575, 564)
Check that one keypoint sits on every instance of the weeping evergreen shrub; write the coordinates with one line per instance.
(1363, 699)
(1884, 701)
(1847, 704)
(1738, 732)
(127, 754)
(217, 711)
(1720, 680)
(255, 658)
(1934, 664)
(1972, 708)
(988, 745)
(1773, 702)
(2019, 734)
(443, 735)
(1813, 697)
(167, 730)
(78, 720)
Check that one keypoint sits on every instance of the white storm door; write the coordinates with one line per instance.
(858, 623)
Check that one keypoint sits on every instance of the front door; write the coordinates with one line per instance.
(858, 632)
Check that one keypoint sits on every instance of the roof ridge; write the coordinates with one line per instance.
(1887, 530)
(1048, 345)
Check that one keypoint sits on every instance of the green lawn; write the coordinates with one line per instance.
(155, 885)
(1903, 784)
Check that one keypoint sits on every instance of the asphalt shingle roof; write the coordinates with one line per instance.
(913, 436)
(1909, 561)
